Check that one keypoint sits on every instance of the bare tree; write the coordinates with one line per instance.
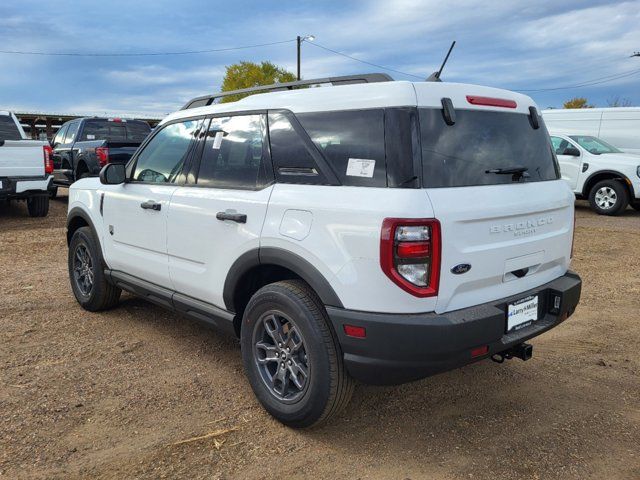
(616, 101)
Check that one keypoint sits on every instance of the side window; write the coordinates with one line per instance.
(233, 155)
(292, 161)
(353, 143)
(58, 139)
(70, 136)
(559, 144)
(162, 159)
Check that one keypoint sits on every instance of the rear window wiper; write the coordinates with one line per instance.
(517, 172)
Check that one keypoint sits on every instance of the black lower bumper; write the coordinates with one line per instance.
(399, 348)
(9, 187)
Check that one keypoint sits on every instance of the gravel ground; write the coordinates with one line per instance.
(109, 395)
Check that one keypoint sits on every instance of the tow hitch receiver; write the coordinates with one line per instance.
(523, 351)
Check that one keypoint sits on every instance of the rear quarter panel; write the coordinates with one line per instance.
(337, 229)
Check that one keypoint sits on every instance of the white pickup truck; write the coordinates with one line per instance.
(26, 167)
(598, 172)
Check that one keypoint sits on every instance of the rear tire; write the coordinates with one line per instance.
(86, 273)
(38, 206)
(53, 193)
(636, 206)
(608, 197)
(292, 357)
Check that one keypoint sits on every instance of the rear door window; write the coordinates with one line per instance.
(8, 128)
(234, 154)
(462, 154)
(293, 160)
(353, 142)
(70, 136)
(111, 130)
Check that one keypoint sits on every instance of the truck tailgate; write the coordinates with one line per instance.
(21, 158)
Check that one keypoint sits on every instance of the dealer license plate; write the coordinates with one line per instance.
(522, 313)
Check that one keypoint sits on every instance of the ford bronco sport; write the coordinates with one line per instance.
(375, 230)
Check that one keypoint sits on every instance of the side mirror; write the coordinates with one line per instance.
(571, 151)
(113, 174)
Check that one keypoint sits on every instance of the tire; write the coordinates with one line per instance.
(38, 206)
(636, 206)
(82, 175)
(314, 348)
(53, 193)
(609, 197)
(86, 273)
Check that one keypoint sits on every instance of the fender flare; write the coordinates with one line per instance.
(282, 258)
(76, 212)
(615, 173)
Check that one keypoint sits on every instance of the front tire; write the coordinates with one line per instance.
(292, 357)
(608, 197)
(86, 273)
(38, 206)
(636, 206)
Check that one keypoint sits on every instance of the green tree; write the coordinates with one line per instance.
(249, 74)
(577, 102)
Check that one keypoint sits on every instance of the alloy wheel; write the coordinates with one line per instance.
(83, 270)
(280, 355)
(606, 197)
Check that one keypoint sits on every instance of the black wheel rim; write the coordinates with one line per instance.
(280, 356)
(83, 270)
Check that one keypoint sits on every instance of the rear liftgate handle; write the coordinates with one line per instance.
(151, 205)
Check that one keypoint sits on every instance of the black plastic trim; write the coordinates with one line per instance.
(617, 175)
(431, 343)
(281, 258)
(172, 300)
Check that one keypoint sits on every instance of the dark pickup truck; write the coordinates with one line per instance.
(84, 145)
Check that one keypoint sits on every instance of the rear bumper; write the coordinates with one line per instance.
(25, 187)
(399, 348)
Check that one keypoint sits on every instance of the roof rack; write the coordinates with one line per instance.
(335, 81)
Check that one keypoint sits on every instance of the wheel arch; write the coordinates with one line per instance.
(606, 175)
(259, 267)
(78, 218)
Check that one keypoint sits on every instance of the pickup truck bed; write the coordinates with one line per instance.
(25, 167)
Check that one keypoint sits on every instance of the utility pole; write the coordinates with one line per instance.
(299, 40)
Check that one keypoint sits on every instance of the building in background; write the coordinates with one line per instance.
(44, 125)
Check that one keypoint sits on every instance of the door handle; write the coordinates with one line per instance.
(151, 205)
(234, 217)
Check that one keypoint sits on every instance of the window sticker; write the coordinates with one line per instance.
(91, 137)
(361, 167)
(217, 140)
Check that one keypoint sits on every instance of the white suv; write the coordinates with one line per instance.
(599, 172)
(382, 231)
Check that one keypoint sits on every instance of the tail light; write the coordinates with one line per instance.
(103, 155)
(47, 151)
(410, 254)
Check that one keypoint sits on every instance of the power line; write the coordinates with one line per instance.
(315, 44)
(141, 54)
(595, 81)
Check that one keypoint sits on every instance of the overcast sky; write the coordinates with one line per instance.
(520, 45)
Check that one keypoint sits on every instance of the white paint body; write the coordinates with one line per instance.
(23, 158)
(618, 126)
(337, 229)
(625, 164)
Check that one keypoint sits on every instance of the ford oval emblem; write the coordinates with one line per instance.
(461, 268)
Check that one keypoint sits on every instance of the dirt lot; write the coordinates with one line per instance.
(108, 395)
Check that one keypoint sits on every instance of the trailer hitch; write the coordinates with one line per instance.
(523, 351)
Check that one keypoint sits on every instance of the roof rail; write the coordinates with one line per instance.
(335, 81)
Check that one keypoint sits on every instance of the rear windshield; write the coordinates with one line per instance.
(8, 129)
(481, 141)
(103, 129)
